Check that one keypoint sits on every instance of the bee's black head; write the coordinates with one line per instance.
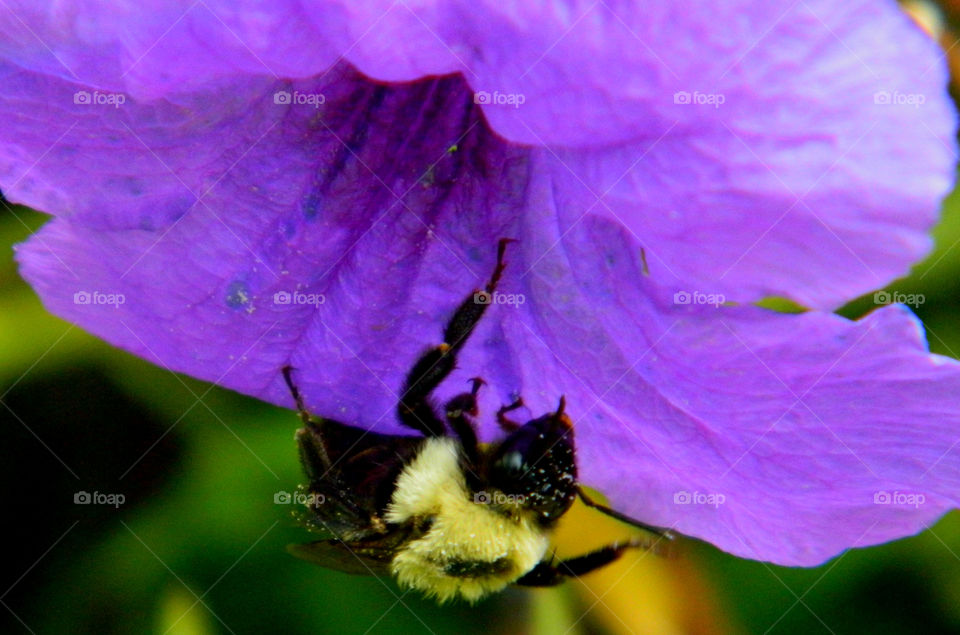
(536, 465)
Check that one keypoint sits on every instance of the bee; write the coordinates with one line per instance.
(442, 513)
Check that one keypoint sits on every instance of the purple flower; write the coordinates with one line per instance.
(237, 188)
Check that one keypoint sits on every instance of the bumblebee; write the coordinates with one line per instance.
(441, 512)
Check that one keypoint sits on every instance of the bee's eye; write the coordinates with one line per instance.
(511, 464)
(535, 465)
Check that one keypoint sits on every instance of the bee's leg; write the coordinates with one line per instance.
(297, 397)
(458, 410)
(509, 425)
(434, 365)
(313, 452)
(551, 574)
(666, 534)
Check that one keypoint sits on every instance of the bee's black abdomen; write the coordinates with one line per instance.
(353, 465)
(477, 568)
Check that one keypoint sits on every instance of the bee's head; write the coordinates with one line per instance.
(536, 465)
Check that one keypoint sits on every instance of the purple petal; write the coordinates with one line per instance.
(189, 224)
(377, 280)
(799, 184)
(772, 436)
(385, 225)
(157, 49)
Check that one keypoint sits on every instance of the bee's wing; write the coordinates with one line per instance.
(364, 558)
(355, 468)
(336, 512)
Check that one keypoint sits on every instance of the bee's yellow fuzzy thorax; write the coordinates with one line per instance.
(472, 548)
